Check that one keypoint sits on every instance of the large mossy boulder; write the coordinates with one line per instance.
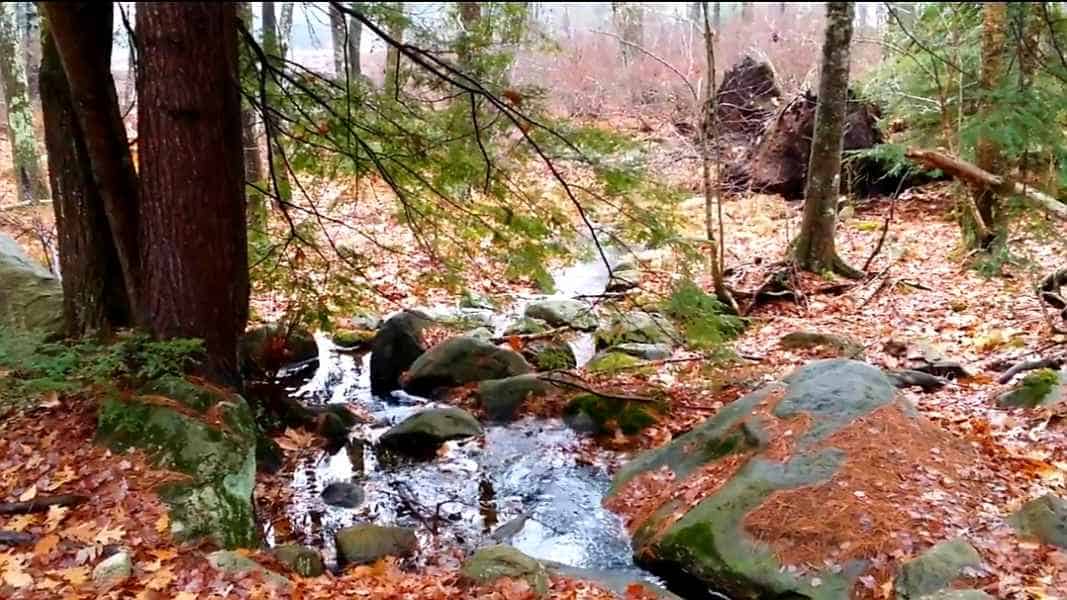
(30, 296)
(305, 561)
(461, 360)
(204, 432)
(1044, 518)
(637, 327)
(397, 345)
(1043, 387)
(422, 433)
(489, 564)
(502, 397)
(718, 508)
(550, 354)
(229, 561)
(564, 313)
(364, 544)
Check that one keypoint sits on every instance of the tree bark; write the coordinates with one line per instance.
(82, 34)
(355, 42)
(987, 152)
(94, 295)
(814, 248)
(257, 207)
(393, 80)
(29, 25)
(629, 25)
(470, 16)
(284, 32)
(192, 178)
(29, 178)
(746, 12)
(339, 39)
(272, 45)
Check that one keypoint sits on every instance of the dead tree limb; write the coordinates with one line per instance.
(40, 504)
(972, 174)
(591, 390)
(1030, 365)
(16, 538)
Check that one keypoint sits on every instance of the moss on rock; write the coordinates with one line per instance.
(1043, 387)
(1044, 518)
(489, 564)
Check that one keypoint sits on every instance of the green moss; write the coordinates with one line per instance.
(612, 362)
(352, 337)
(608, 413)
(553, 358)
(1038, 388)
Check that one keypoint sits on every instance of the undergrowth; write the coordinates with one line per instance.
(33, 366)
(706, 322)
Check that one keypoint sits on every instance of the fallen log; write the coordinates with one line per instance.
(974, 175)
(40, 504)
(16, 538)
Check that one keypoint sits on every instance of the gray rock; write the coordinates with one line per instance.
(363, 544)
(113, 569)
(461, 360)
(839, 345)
(475, 300)
(643, 351)
(30, 296)
(259, 348)
(637, 326)
(623, 279)
(564, 313)
(1043, 387)
(422, 433)
(482, 333)
(343, 494)
(303, 560)
(502, 397)
(229, 561)
(1044, 518)
(550, 355)
(526, 325)
(935, 569)
(491, 563)
(395, 347)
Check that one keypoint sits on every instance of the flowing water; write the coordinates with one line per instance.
(521, 483)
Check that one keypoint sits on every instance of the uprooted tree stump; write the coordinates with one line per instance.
(746, 100)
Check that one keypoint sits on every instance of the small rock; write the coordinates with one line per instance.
(348, 338)
(643, 351)
(637, 326)
(1044, 518)
(611, 362)
(229, 561)
(564, 313)
(935, 569)
(550, 355)
(502, 397)
(343, 494)
(475, 300)
(482, 333)
(303, 560)
(489, 564)
(623, 280)
(422, 433)
(838, 344)
(1043, 387)
(364, 544)
(113, 569)
(945, 368)
(907, 378)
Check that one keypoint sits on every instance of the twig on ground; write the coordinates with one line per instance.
(1053, 362)
(40, 504)
(591, 390)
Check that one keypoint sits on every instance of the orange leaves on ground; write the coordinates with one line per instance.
(45, 546)
(12, 570)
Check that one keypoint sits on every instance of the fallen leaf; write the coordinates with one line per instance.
(83, 532)
(160, 579)
(75, 576)
(13, 573)
(56, 514)
(20, 522)
(29, 494)
(163, 523)
(45, 546)
(107, 536)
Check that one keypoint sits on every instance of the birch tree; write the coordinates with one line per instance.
(29, 177)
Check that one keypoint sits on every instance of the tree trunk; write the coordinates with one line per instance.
(393, 80)
(272, 45)
(257, 207)
(746, 12)
(284, 32)
(192, 178)
(339, 39)
(29, 25)
(85, 51)
(29, 178)
(987, 153)
(716, 19)
(470, 16)
(355, 42)
(94, 295)
(814, 248)
(629, 25)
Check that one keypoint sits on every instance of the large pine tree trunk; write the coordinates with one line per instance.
(94, 296)
(987, 153)
(814, 248)
(355, 41)
(29, 24)
(275, 50)
(29, 178)
(82, 34)
(192, 178)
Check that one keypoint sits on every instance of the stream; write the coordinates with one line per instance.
(520, 484)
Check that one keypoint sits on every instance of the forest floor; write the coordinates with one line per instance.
(923, 294)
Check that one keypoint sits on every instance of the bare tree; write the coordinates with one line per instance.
(339, 38)
(628, 18)
(396, 25)
(29, 26)
(814, 248)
